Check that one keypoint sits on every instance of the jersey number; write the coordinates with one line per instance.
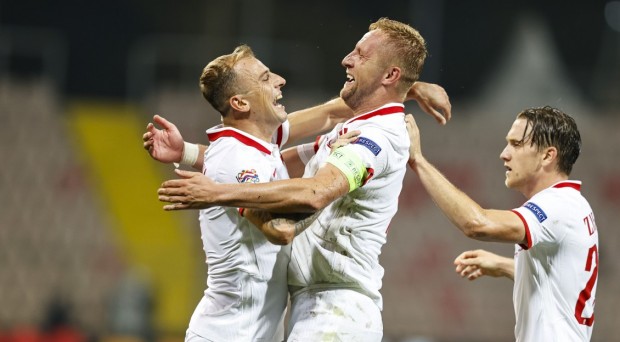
(585, 294)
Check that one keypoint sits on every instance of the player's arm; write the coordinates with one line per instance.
(312, 121)
(343, 172)
(475, 264)
(474, 221)
(295, 158)
(196, 191)
(166, 145)
(432, 99)
(280, 229)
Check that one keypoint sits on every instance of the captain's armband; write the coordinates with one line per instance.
(350, 164)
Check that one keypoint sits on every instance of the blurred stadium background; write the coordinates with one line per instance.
(87, 254)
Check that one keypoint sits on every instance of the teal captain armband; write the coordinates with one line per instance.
(350, 164)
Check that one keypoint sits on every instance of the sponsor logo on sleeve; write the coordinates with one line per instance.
(369, 144)
(540, 214)
(248, 176)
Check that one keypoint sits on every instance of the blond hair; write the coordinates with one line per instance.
(408, 48)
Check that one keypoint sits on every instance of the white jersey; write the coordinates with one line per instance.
(556, 272)
(341, 248)
(247, 291)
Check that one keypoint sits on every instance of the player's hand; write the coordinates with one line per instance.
(474, 264)
(164, 145)
(345, 139)
(415, 149)
(432, 99)
(192, 191)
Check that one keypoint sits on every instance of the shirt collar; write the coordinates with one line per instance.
(390, 108)
(221, 131)
(568, 184)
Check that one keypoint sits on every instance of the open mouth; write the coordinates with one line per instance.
(350, 79)
(275, 101)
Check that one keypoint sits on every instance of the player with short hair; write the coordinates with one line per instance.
(334, 272)
(555, 266)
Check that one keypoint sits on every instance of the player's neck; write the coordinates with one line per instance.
(542, 183)
(373, 102)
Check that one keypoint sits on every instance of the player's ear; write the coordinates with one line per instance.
(392, 75)
(238, 103)
(550, 155)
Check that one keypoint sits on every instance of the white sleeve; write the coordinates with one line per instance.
(306, 151)
(540, 219)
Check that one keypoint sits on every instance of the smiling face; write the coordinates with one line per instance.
(523, 161)
(262, 89)
(365, 67)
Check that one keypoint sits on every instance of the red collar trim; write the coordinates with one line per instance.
(244, 139)
(568, 184)
(381, 111)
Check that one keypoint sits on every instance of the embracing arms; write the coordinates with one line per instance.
(474, 221)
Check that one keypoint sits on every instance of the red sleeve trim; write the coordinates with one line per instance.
(280, 136)
(527, 231)
(316, 143)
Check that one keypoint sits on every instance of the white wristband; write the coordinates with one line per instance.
(190, 154)
(305, 152)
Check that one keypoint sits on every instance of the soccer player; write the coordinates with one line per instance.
(247, 290)
(334, 274)
(555, 266)
(239, 258)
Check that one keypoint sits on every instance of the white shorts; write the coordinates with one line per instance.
(332, 315)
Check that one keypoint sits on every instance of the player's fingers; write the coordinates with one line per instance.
(447, 109)
(468, 270)
(475, 275)
(436, 114)
(172, 198)
(148, 145)
(350, 134)
(171, 183)
(146, 136)
(150, 129)
(463, 256)
(165, 124)
(176, 206)
(187, 174)
(178, 193)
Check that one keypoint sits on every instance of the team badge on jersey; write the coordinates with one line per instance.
(369, 144)
(248, 176)
(540, 214)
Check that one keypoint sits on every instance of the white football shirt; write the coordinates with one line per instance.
(247, 291)
(341, 248)
(556, 272)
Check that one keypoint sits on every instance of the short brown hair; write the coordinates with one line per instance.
(217, 82)
(552, 127)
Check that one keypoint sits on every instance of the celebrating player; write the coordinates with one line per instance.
(334, 272)
(555, 267)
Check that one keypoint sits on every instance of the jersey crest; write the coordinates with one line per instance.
(538, 212)
(248, 176)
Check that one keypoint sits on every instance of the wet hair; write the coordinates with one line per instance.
(409, 48)
(552, 127)
(218, 78)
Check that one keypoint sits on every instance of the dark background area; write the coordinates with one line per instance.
(465, 38)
